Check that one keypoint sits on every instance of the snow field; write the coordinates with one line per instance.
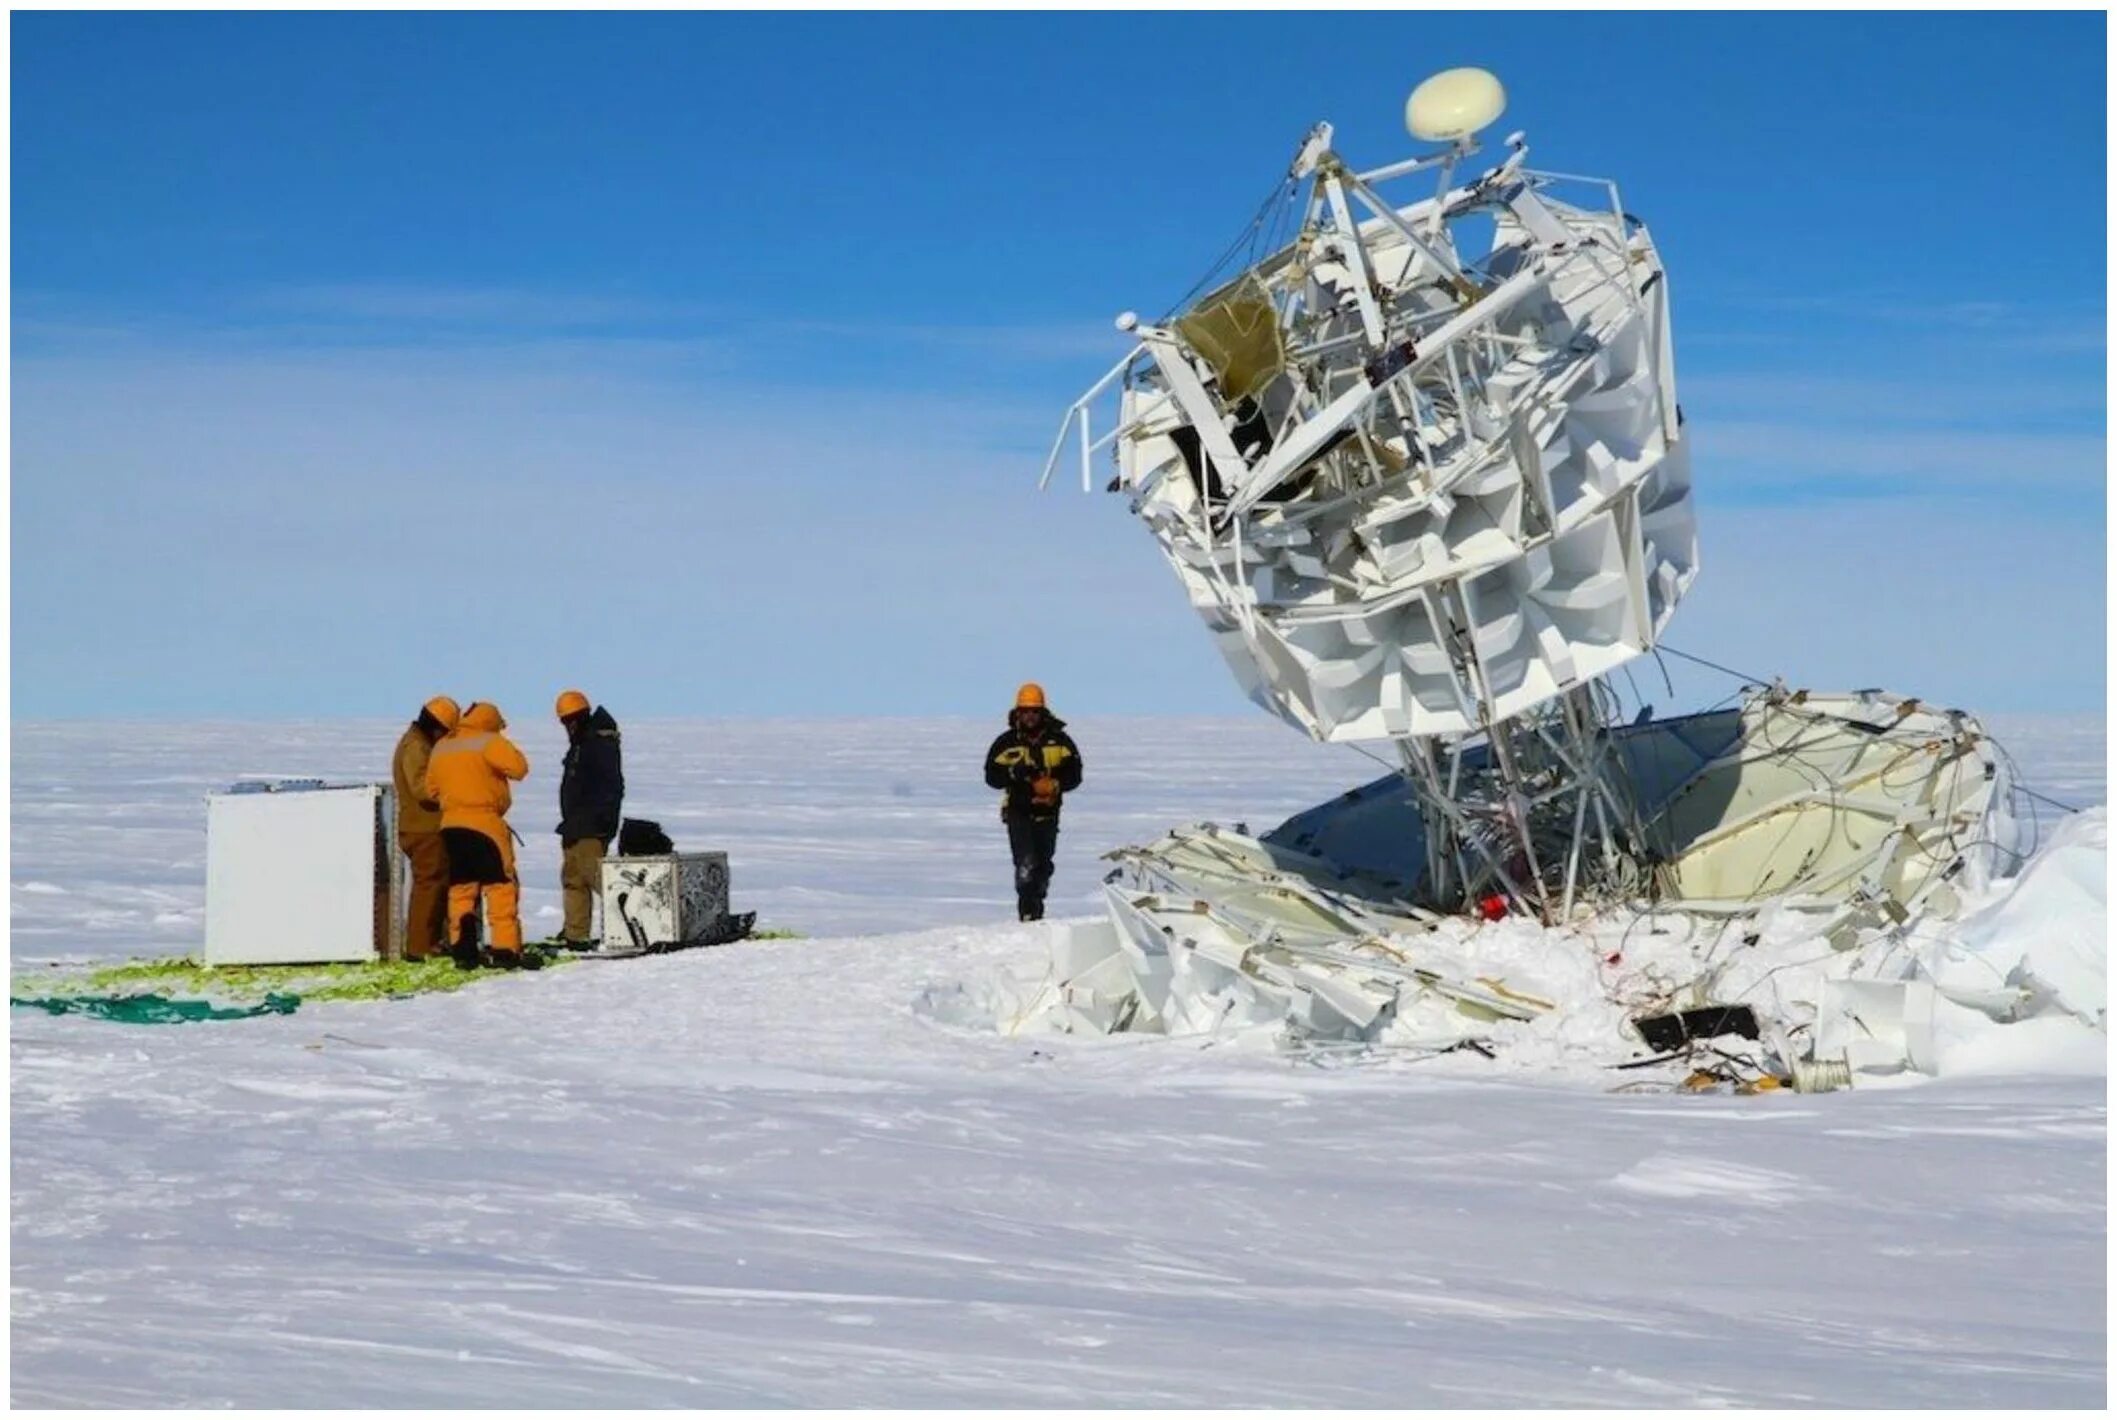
(785, 1173)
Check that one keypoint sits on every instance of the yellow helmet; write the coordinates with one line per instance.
(444, 710)
(1029, 697)
(571, 702)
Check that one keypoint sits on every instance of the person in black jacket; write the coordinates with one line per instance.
(591, 794)
(1035, 764)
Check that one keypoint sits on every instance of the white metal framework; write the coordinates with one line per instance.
(1420, 468)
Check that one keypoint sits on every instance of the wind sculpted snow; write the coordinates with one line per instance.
(782, 1173)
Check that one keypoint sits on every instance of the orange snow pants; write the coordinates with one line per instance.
(426, 922)
(481, 862)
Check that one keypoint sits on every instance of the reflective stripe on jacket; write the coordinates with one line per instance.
(468, 773)
(1014, 762)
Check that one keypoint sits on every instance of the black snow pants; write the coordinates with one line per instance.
(1033, 842)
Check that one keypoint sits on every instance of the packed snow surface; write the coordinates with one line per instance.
(790, 1173)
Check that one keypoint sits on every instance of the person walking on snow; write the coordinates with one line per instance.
(591, 794)
(1035, 764)
(468, 775)
(419, 829)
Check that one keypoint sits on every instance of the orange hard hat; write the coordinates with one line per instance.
(571, 702)
(484, 715)
(1029, 697)
(444, 710)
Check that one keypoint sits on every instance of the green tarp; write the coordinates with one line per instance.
(150, 1010)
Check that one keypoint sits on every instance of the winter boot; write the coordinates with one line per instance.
(505, 959)
(465, 948)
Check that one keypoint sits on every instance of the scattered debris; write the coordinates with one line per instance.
(1676, 1030)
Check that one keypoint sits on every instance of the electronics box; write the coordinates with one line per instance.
(667, 899)
(298, 870)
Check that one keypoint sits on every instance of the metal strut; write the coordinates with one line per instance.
(1536, 809)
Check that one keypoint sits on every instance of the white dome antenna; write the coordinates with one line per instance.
(1454, 104)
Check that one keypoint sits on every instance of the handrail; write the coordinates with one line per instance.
(1079, 410)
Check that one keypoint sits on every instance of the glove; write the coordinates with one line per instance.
(1044, 792)
(1022, 773)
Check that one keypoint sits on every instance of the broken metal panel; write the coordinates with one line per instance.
(1825, 797)
(1319, 926)
(1773, 799)
(1877, 1026)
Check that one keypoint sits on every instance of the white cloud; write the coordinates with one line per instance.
(324, 530)
(2004, 610)
(1953, 461)
(482, 307)
(498, 325)
(1889, 400)
(1096, 344)
(212, 522)
(1982, 324)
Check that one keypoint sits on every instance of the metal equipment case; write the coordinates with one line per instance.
(301, 871)
(666, 899)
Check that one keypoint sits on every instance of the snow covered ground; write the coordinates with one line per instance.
(834, 826)
(775, 1173)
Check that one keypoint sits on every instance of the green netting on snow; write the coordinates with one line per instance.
(151, 1010)
(167, 990)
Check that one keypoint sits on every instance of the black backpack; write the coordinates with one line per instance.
(642, 838)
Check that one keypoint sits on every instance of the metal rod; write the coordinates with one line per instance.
(1415, 165)
(1374, 203)
(1079, 409)
(1580, 818)
(1065, 428)
(1087, 475)
(1349, 246)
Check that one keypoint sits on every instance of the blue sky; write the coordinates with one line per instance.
(708, 361)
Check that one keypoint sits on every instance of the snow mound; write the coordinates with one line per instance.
(2048, 934)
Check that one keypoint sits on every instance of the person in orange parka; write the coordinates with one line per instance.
(419, 828)
(468, 775)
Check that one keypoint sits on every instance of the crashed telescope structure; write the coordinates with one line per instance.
(1422, 472)
(1416, 457)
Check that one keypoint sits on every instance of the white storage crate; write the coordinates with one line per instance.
(663, 899)
(301, 871)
